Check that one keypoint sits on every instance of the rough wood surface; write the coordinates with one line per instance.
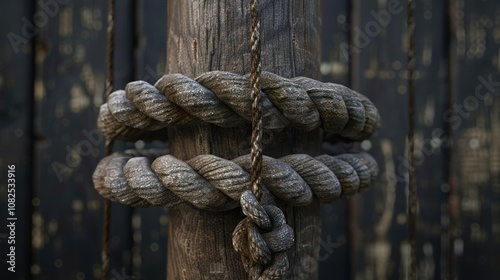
(214, 35)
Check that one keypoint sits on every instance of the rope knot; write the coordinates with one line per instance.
(262, 239)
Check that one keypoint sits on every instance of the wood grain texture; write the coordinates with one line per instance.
(215, 35)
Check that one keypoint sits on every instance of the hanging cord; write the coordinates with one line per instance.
(256, 151)
(109, 143)
(256, 70)
(412, 211)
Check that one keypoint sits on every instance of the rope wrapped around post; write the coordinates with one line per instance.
(151, 178)
(221, 98)
(154, 178)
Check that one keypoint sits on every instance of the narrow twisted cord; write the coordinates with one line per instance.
(256, 150)
(413, 199)
(109, 144)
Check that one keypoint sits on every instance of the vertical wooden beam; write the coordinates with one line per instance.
(334, 253)
(474, 120)
(382, 249)
(215, 35)
(149, 224)
(70, 75)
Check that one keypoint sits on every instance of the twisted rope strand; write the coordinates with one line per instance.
(148, 177)
(221, 98)
(214, 184)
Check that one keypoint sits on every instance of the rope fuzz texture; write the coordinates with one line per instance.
(221, 98)
(143, 178)
(152, 178)
(149, 177)
(254, 182)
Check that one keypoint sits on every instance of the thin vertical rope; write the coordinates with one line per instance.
(453, 201)
(412, 211)
(256, 152)
(110, 47)
(109, 143)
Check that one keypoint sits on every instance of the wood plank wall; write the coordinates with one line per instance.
(52, 83)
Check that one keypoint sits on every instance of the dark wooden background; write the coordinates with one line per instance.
(52, 82)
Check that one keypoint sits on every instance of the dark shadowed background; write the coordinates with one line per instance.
(52, 77)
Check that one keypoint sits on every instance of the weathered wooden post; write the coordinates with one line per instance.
(214, 35)
(208, 166)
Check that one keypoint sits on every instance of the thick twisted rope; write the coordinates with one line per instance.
(212, 183)
(222, 98)
(148, 177)
(412, 197)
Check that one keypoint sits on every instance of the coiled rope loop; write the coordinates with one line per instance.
(264, 231)
(151, 178)
(221, 98)
(146, 178)
(143, 178)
